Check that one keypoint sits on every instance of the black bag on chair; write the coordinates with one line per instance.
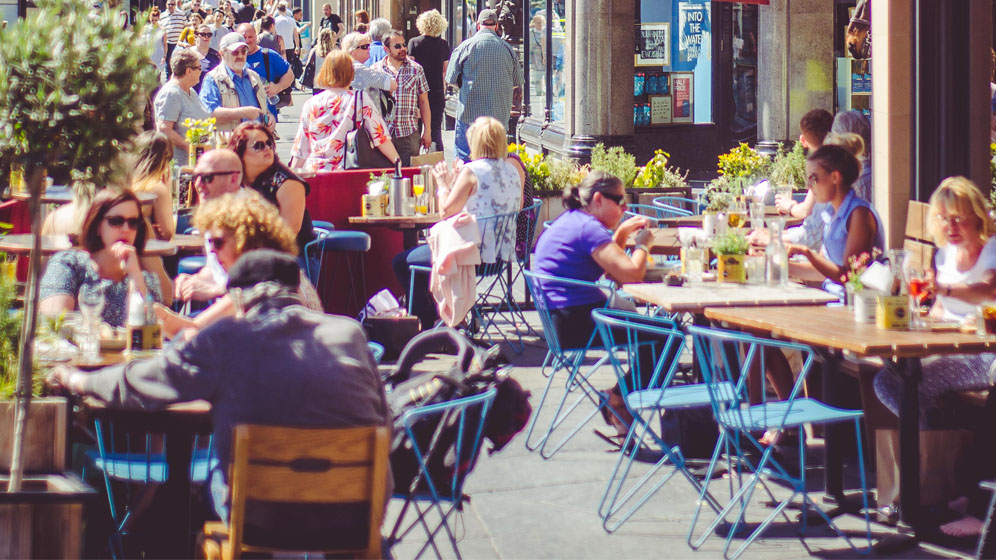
(360, 151)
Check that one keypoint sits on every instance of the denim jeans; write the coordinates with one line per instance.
(462, 147)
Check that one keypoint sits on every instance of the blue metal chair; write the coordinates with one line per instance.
(377, 350)
(352, 245)
(442, 495)
(727, 359)
(647, 389)
(559, 358)
(680, 203)
(135, 462)
(655, 213)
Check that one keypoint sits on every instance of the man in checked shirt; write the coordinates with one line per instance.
(411, 100)
(486, 70)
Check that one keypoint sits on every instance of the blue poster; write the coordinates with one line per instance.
(693, 28)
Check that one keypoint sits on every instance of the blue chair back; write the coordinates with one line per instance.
(526, 230)
(377, 350)
(631, 335)
(539, 284)
(680, 203)
(655, 213)
(497, 242)
(727, 359)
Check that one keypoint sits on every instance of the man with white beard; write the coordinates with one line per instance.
(232, 91)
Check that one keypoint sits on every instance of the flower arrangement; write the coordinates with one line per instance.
(657, 173)
(730, 243)
(743, 162)
(616, 161)
(720, 193)
(536, 166)
(857, 264)
(789, 166)
(199, 131)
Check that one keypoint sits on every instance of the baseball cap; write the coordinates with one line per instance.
(232, 41)
(264, 265)
(489, 17)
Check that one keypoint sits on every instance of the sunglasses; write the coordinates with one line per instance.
(398, 46)
(204, 35)
(365, 47)
(217, 243)
(209, 177)
(118, 221)
(260, 145)
(617, 198)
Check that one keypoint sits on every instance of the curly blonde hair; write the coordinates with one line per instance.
(249, 220)
(431, 23)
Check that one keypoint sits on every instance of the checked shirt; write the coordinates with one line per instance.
(486, 70)
(411, 83)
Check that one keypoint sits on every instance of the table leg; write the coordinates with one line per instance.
(409, 238)
(834, 460)
(174, 496)
(909, 441)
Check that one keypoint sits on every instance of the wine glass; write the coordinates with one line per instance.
(418, 189)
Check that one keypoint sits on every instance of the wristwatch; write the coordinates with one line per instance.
(642, 246)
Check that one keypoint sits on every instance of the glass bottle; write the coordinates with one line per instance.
(775, 254)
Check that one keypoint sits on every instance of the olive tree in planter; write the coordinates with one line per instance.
(73, 86)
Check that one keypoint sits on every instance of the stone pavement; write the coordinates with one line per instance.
(522, 506)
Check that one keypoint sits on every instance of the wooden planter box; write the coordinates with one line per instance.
(44, 519)
(45, 440)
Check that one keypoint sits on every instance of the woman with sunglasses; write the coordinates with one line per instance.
(262, 170)
(326, 119)
(234, 224)
(108, 252)
(366, 79)
(584, 243)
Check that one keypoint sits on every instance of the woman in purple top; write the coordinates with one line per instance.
(581, 245)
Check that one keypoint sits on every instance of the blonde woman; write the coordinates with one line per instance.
(313, 62)
(234, 224)
(964, 276)
(433, 52)
(152, 163)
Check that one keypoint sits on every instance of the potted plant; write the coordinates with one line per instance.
(199, 134)
(616, 161)
(731, 249)
(788, 167)
(743, 166)
(73, 84)
(658, 174)
(860, 300)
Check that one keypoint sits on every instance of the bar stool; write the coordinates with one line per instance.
(352, 245)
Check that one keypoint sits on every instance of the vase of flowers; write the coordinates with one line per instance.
(199, 135)
(861, 301)
(731, 250)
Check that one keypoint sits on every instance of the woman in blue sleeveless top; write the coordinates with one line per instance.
(851, 225)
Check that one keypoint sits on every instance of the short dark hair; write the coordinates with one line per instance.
(183, 62)
(296, 11)
(386, 38)
(89, 237)
(835, 158)
(816, 123)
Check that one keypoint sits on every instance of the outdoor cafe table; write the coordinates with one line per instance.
(696, 219)
(61, 196)
(188, 243)
(833, 333)
(665, 242)
(696, 297)
(20, 244)
(409, 226)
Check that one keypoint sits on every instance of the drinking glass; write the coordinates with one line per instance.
(918, 290)
(421, 201)
(694, 263)
(757, 215)
(755, 269)
(737, 217)
(782, 192)
(91, 302)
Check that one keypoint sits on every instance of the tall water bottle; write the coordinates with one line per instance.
(396, 196)
(775, 254)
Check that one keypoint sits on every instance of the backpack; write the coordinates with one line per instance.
(476, 371)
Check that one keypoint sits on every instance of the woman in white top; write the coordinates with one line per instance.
(490, 184)
(965, 275)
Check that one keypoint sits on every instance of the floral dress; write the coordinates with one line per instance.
(325, 120)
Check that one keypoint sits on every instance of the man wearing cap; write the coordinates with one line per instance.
(233, 92)
(277, 363)
(486, 70)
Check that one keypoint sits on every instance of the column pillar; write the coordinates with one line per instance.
(795, 65)
(599, 73)
(893, 137)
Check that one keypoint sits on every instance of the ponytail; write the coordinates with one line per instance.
(572, 197)
(578, 197)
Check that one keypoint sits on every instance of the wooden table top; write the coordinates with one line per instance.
(696, 220)
(665, 241)
(694, 298)
(20, 244)
(65, 196)
(187, 243)
(398, 222)
(835, 327)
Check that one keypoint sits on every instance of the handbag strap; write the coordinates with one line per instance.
(357, 99)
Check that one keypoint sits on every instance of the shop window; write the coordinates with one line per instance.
(547, 44)
(672, 82)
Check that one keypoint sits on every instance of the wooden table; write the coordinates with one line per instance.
(833, 332)
(665, 242)
(187, 243)
(695, 298)
(65, 196)
(409, 226)
(696, 220)
(20, 244)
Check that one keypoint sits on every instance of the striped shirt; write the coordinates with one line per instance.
(173, 24)
(486, 70)
(411, 84)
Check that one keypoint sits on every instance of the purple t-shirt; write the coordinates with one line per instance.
(565, 250)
